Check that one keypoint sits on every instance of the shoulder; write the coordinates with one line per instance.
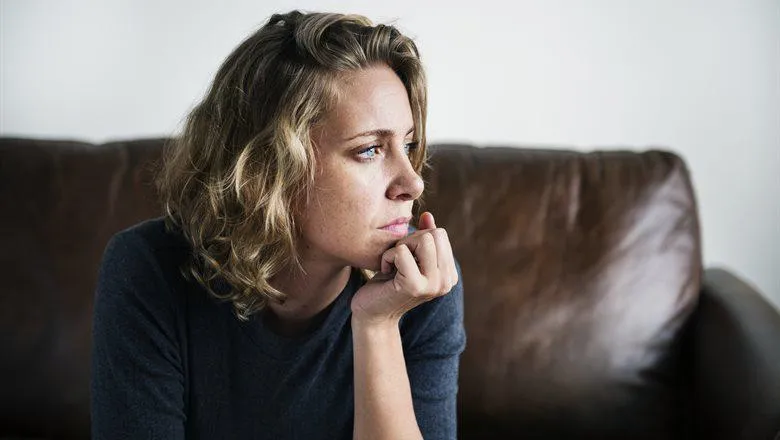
(146, 244)
(139, 315)
(150, 235)
(142, 262)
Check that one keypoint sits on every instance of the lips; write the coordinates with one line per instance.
(398, 228)
(398, 221)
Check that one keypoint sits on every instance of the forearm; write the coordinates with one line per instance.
(383, 397)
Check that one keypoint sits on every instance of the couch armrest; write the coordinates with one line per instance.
(736, 352)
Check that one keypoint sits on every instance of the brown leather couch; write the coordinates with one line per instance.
(588, 312)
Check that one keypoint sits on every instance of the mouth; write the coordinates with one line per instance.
(398, 227)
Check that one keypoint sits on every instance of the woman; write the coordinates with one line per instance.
(284, 294)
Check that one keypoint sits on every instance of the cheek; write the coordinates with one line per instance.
(345, 199)
(354, 186)
(342, 214)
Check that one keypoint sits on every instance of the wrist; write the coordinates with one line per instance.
(375, 327)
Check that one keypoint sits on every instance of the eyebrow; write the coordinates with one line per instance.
(379, 132)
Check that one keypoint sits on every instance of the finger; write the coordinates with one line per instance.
(413, 240)
(426, 221)
(408, 274)
(388, 259)
(426, 256)
(415, 243)
(446, 258)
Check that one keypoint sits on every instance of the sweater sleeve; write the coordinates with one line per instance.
(137, 375)
(433, 339)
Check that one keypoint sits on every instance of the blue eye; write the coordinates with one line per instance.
(368, 153)
(371, 152)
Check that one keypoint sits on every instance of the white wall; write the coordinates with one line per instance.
(699, 77)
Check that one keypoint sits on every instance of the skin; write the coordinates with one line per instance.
(354, 196)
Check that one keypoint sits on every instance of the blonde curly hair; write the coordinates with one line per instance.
(230, 183)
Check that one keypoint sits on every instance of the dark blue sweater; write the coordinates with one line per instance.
(171, 362)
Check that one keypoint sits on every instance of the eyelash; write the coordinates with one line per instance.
(412, 146)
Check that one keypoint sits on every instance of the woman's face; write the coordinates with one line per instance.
(364, 179)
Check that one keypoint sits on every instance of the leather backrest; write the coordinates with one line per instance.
(61, 202)
(579, 271)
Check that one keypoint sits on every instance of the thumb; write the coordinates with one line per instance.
(426, 221)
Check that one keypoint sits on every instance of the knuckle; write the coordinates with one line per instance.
(419, 292)
(420, 289)
(449, 286)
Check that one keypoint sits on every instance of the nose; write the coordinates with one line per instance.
(406, 184)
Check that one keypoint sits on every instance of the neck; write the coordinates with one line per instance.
(308, 295)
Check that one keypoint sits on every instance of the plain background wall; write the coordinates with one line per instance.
(700, 77)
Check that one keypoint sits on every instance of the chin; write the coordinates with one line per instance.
(371, 261)
(367, 257)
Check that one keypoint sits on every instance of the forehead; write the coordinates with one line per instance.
(368, 99)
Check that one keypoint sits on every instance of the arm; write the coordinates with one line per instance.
(423, 275)
(736, 350)
(418, 382)
(383, 399)
(434, 338)
(137, 380)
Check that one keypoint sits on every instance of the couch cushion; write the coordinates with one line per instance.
(579, 271)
